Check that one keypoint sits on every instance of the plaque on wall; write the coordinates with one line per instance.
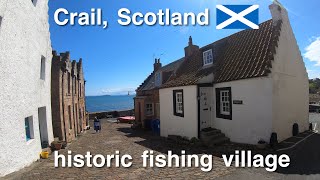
(237, 102)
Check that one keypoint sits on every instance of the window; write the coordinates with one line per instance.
(224, 103)
(178, 109)
(74, 85)
(43, 68)
(29, 128)
(0, 20)
(69, 83)
(69, 112)
(207, 57)
(34, 2)
(158, 79)
(149, 109)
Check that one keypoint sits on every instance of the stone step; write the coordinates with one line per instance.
(212, 137)
(209, 133)
(221, 140)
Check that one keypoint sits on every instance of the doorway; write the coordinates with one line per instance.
(43, 128)
(205, 104)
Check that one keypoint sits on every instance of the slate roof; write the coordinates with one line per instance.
(167, 72)
(246, 54)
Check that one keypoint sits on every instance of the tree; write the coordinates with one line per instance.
(314, 86)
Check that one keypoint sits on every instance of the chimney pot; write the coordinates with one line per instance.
(189, 50)
(190, 41)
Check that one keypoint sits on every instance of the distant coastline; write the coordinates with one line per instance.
(106, 103)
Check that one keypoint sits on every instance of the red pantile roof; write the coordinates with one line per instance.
(246, 54)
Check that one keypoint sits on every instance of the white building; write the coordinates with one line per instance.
(248, 85)
(25, 73)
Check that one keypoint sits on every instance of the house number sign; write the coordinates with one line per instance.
(237, 102)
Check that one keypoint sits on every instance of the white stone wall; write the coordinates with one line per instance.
(290, 82)
(252, 120)
(170, 124)
(314, 118)
(24, 38)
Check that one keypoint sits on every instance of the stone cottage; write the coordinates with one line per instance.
(146, 102)
(25, 85)
(245, 87)
(67, 97)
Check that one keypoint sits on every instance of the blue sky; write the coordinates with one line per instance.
(119, 58)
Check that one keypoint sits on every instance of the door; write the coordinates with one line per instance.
(205, 107)
(43, 128)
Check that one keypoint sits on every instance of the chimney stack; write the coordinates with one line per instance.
(278, 12)
(157, 65)
(190, 49)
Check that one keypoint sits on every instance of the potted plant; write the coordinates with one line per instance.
(57, 145)
(262, 144)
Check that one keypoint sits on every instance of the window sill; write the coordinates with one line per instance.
(222, 116)
(179, 114)
(207, 66)
(225, 114)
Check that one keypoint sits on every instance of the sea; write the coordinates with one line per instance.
(109, 103)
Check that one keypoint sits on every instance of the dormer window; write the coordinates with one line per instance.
(158, 79)
(207, 57)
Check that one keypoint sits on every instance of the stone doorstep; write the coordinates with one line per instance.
(219, 141)
(213, 137)
(211, 132)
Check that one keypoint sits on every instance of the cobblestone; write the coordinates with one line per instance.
(121, 137)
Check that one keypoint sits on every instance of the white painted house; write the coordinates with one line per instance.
(248, 85)
(25, 81)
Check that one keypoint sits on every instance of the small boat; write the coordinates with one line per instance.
(126, 119)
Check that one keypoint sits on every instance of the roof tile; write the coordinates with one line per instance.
(246, 54)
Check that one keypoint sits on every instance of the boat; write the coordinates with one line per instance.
(126, 119)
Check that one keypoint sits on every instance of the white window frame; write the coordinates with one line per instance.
(179, 102)
(225, 106)
(205, 57)
(149, 110)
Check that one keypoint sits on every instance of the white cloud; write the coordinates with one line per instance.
(312, 74)
(313, 51)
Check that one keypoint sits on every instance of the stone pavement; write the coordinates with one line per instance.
(120, 137)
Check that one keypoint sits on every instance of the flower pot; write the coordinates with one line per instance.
(45, 155)
(57, 146)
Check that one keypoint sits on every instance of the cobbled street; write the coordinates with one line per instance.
(121, 137)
